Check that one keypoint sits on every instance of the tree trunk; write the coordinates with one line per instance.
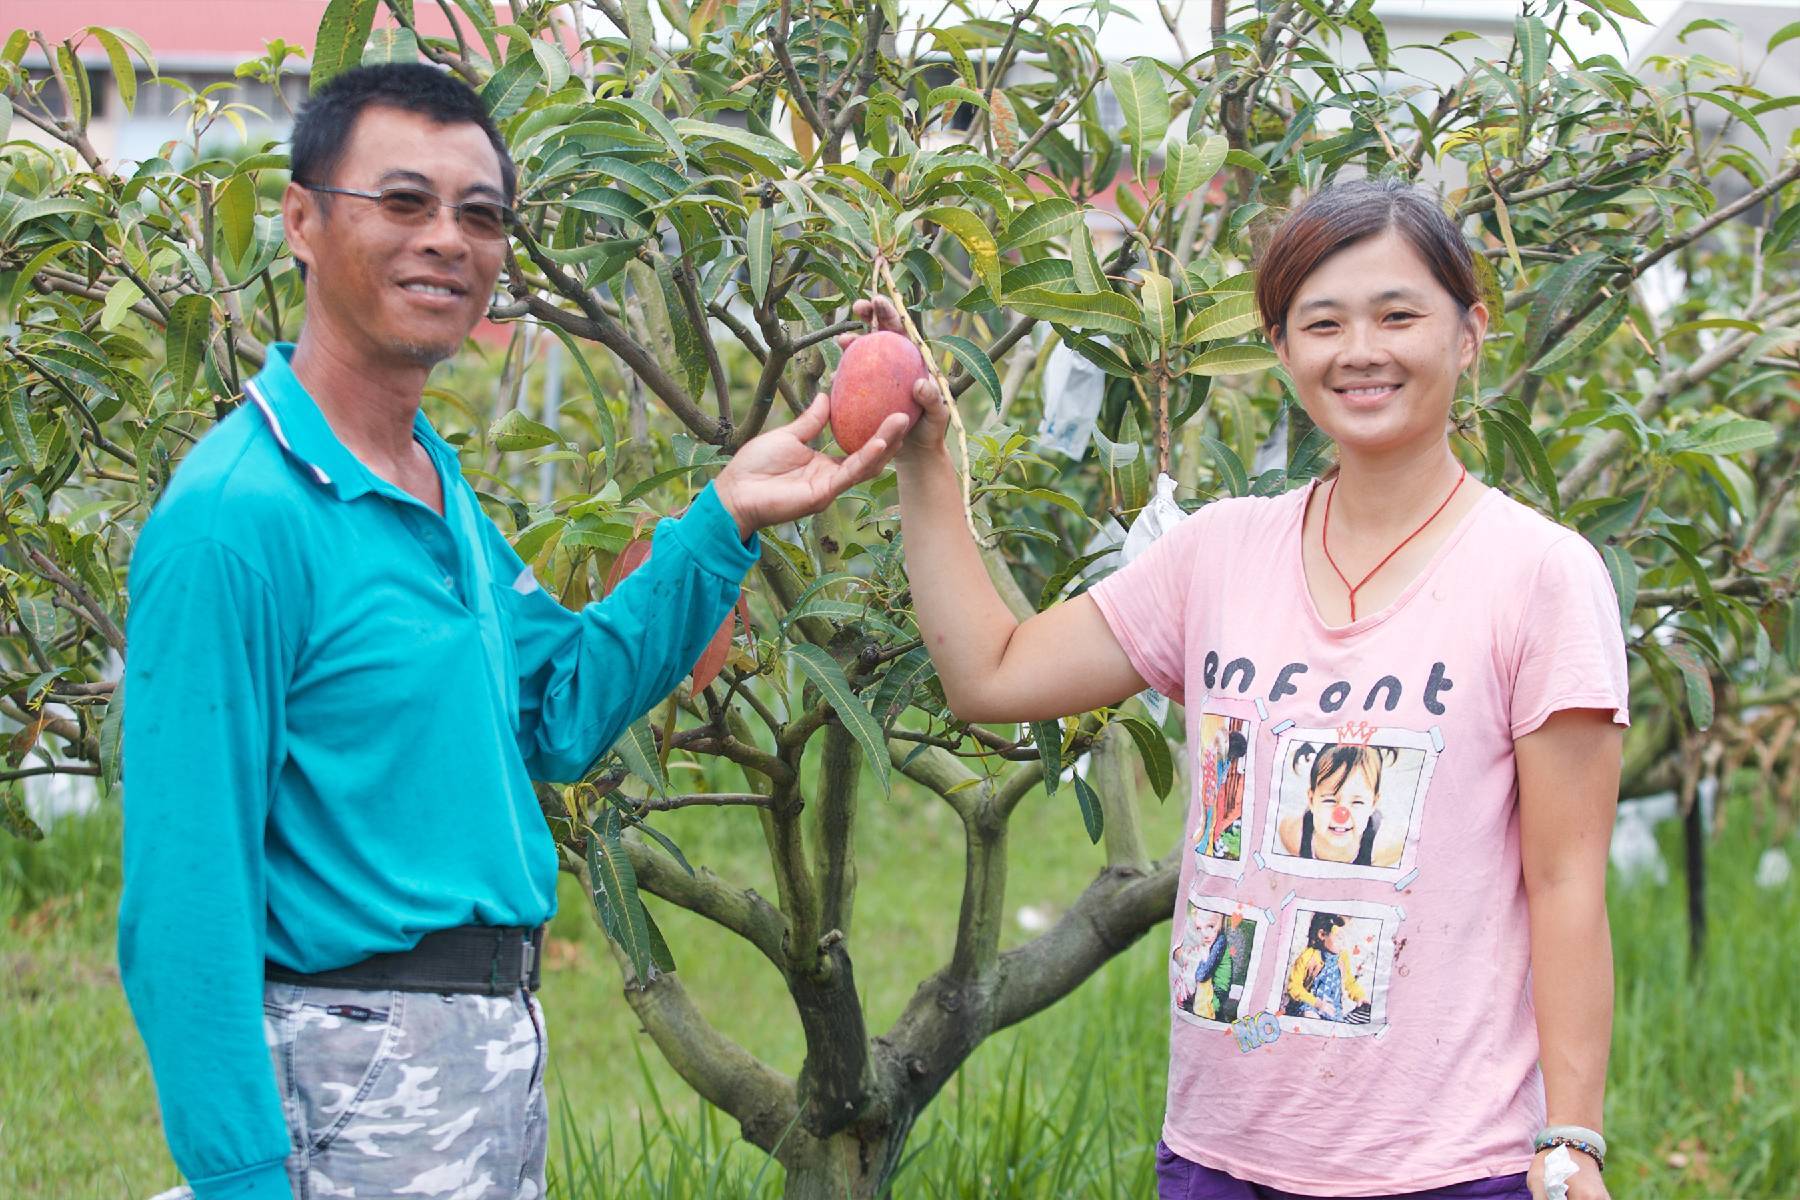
(857, 1164)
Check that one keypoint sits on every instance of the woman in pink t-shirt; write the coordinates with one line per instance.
(1408, 659)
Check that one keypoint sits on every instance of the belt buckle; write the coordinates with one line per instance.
(527, 959)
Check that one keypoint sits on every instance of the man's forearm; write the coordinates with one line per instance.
(1572, 990)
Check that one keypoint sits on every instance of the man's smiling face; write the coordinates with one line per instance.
(399, 293)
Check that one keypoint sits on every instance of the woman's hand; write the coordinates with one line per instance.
(1585, 1184)
(927, 433)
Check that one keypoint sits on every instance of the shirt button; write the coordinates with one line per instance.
(449, 582)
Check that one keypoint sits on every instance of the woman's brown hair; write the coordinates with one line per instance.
(1344, 213)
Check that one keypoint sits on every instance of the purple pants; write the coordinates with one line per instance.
(1179, 1179)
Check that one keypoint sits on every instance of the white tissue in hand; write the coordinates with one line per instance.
(1559, 1168)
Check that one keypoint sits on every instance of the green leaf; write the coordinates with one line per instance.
(516, 431)
(1696, 679)
(1560, 284)
(554, 62)
(1143, 102)
(1048, 736)
(1153, 748)
(119, 299)
(1784, 228)
(1786, 33)
(763, 147)
(124, 73)
(190, 326)
(1624, 571)
(15, 421)
(608, 433)
(1231, 317)
(13, 816)
(1534, 49)
(237, 214)
(112, 738)
(636, 748)
(975, 237)
(975, 361)
(390, 46)
(1044, 220)
(1090, 279)
(1092, 816)
(894, 692)
(1232, 360)
(1053, 587)
(759, 248)
(1107, 312)
(1594, 330)
(1190, 165)
(507, 89)
(1735, 436)
(828, 677)
(1231, 467)
(616, 898)
(338, 46)
(1158, 296)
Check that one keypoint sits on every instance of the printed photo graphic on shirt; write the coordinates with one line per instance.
(1224, 749)
(1213, 971)
(1347, 802)
(1335, 964)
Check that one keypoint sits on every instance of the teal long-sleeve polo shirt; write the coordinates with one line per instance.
(335, 703)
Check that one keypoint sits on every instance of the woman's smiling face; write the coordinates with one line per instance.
(1375, 345)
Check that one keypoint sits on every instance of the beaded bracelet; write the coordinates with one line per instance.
(1588, 1148)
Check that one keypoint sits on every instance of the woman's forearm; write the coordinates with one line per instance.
(963, 620)
(1572, 990)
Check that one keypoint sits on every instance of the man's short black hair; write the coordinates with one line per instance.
(322, 130)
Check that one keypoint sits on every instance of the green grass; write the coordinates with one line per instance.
(1701, 1102)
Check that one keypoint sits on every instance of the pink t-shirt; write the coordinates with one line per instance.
(1349, 958)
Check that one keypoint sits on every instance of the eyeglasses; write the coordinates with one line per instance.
(481, 219)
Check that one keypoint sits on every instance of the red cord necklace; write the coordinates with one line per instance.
(1325, 539)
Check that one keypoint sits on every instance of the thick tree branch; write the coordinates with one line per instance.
(1114, 911)
(760, 1098)
(742, 912)
(834, 828)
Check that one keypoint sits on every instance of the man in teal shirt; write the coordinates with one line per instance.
(341, 682)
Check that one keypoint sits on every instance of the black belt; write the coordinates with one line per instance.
(488, 960)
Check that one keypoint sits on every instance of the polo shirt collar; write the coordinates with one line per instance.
(307, 437)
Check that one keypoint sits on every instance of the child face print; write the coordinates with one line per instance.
(1213, 969)
(1336, 964)
(1348, 802)
(1341, 801)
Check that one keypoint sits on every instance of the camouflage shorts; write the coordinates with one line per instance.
(408, 1094)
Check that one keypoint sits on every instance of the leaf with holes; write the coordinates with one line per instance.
(825, 674)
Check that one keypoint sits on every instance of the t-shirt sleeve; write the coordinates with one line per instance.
(1570, 648)
(1146, 604)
